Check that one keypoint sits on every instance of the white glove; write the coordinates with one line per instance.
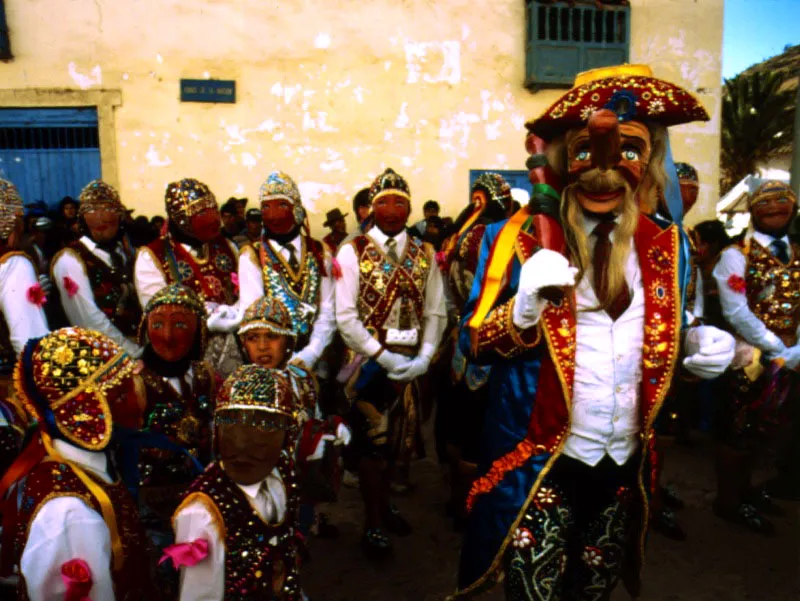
(710, 351)
(544, 268)
(211, 307)
(223, 319)
(791, 356)
(392, 362)
(320, 450)
(415, 368)
(343, 435)
(307, 356)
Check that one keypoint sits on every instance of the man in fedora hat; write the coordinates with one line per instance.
(334, 219)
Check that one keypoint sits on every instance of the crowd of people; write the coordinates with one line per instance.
(180, 394)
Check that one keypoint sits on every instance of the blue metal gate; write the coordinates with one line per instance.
(49, 153)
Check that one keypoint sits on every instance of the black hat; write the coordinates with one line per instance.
(333, 216)
(253, 215)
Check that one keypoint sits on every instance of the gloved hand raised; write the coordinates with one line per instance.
(543, 269)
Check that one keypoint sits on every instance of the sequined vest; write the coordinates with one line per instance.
(113, 290)
(260, 558)
(392, 295)
(49, 479)
(184, 421)
(773, 290)
(215, 270)
(464, 263)
(299, 292)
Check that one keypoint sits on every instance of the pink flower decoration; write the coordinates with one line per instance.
(70, 286)
(77, 577)
(737, 284)
(36, 295)
(186, 554)
(441, 260)
(336, 269)
(235, 281)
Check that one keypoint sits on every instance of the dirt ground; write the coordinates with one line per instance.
(718, 562)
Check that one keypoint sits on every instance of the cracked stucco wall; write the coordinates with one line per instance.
(331, 91)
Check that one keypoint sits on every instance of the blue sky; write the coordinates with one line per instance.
(757, 29)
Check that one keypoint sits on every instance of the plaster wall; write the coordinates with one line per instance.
(330, 91)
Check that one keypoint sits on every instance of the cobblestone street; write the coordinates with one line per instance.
(719, 562)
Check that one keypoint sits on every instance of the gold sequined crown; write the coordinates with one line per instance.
(270, 314)
(280, 185)
(11, 208)
(389, 182)
(773, 189)
(186, 198)
(260, 389)
(97, 195)
(496, 188)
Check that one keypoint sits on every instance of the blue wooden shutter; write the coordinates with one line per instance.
(563, 40)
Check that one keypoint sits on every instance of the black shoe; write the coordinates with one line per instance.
(783, 488)
(762, 500)
(745, 515)
(670, 499)
(376, 544)
(664, 523)
(325, 529)
(396, 523)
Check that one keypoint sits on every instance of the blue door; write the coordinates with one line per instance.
(49, 153)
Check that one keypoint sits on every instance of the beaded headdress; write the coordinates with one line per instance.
(257, 396)
(11, 208)
(186, 198)
(496, 188)
(175, 294)
(389, 182)
(99, 196)
(280, 185)
(686, 171)
(772, 189)
(62, 380)
(631, 91)
(270, 314)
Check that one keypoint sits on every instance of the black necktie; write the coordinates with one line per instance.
(602, 252)
(391, 249)
(780, 250)
(292, 256)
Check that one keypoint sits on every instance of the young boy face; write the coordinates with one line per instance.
(266, 348)
(248, 454)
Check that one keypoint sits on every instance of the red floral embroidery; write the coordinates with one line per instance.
(77, 577)
(36, 295)
(737, 284)
(70, 286)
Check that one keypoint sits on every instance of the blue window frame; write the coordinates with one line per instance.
(5, 42)
(563, 40)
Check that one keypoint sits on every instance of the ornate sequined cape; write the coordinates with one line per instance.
(531, 389)
(261, 562)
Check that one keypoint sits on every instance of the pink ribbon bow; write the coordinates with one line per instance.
(336, 269)
(186, 554)
(36, 295)
(77, 577)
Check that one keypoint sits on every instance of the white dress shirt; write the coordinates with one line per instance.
(608, 370)
(148, 276)
(735, 309)
(205, 581)
(356, 336)
(66, 528)
(24, 319)
(81, 308)
(251, 288)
